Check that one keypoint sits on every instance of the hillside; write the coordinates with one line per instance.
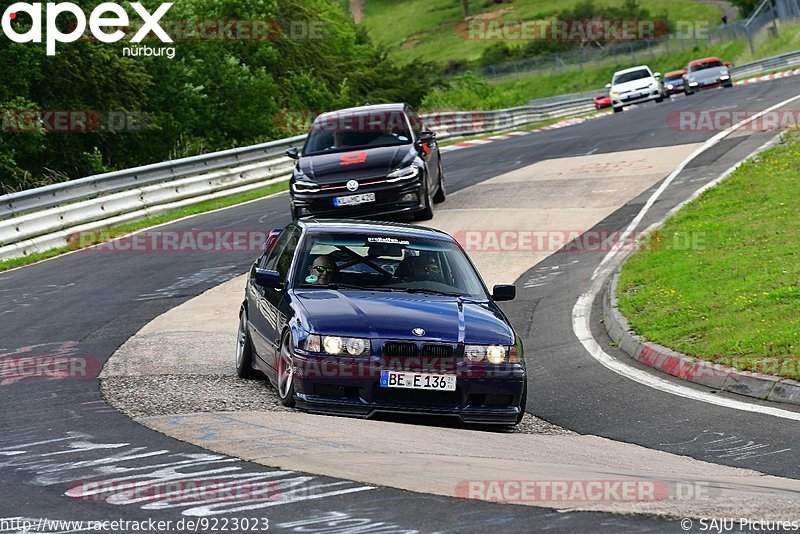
(427, 29)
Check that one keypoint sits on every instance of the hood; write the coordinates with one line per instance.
(634, 85)
(356, 165)
(394, 315)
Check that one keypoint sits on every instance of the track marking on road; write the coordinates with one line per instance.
(581, 313)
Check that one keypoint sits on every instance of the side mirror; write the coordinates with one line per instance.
(293, 153)
(727, 63)
(268, 279)
(504, 292)
(426, 137)
(608, 86)
(657, 74)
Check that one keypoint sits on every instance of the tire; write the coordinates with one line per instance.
(426, 213)
(244, 350)
(284, 383)
(618, 110)
(659, 100)
(523, 403)
(441, 194)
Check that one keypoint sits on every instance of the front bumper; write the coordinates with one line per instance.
(388, 200)
(484, 394)
(625, 100)
(708, 84)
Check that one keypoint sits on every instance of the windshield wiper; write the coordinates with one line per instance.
(431, 292)
(336, 286)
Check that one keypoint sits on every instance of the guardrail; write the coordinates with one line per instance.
(792, 59)
(47, 217)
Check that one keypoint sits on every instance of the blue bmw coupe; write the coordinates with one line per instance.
(359, 318)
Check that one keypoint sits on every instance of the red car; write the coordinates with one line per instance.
(602, 101)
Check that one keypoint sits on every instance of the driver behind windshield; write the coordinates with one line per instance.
(322, 271)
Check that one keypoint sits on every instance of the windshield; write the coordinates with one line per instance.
(706, 65)
(345, 131)
(387, 263)
(631, 76)
(674, 79)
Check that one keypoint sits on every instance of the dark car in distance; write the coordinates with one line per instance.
(356, 318)
(673, 81)
(367, 161)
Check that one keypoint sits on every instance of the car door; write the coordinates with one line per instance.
(257, 299)
(274, 308)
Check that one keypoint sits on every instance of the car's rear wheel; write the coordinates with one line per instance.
(285, 372)
(441, 194)
(244, 350)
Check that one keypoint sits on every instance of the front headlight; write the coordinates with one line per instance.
(354, 346)
(300, 186)
(614, 94)
(491, 353)
(404, 174)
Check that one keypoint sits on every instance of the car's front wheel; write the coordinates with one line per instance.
(285, 372)
(426, 213)
(441, 194)
(244, 350)
(617, 109)
(522, 403)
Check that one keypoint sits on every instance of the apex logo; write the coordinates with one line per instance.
(106, 15)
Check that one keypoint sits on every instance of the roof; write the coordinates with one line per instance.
(633, 69)
(372, 227)
(671, 73)
(704, 60)
(365, 109)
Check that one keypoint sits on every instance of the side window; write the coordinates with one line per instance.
(284, 260)
(270, 259)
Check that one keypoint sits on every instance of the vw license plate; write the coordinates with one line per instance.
(405, 380)
(354, 200)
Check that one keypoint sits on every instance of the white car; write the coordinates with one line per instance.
(635, 85)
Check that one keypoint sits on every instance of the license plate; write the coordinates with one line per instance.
(405, 380)
(354, 200)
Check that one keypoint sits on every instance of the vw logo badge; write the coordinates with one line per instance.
(352, 185)
(419, 332)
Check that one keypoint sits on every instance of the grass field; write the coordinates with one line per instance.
(426, 29)
(734, 295)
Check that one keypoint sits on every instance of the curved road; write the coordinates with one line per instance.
(60, 433)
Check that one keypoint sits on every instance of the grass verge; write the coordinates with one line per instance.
(721, 280)
(107, 234)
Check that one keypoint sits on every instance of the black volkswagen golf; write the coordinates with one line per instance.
(365, 162)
